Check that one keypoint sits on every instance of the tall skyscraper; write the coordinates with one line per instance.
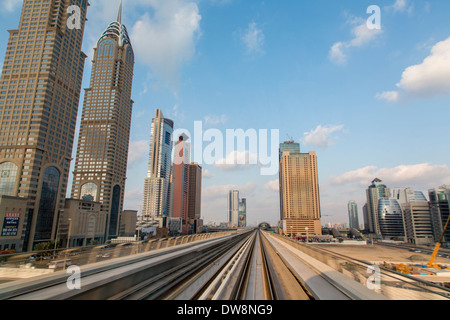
(180, 178)
(40, 92)
(353, 215)
(374, 193)
(243, 213)
(156, 200)
(299, 193)
(194, 210)
(233, 208)
(102, 152)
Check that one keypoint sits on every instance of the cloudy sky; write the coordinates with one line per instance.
(373, 103)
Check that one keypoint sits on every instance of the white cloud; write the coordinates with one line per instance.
(207, 174)
(362, 36)
(401, 6)
(426, 80)
(321, 135)
(221, 192)
(167, 39)
(133, 199)
(138, 151)
(273, 185)
(388, 95)
(215, 120)
(10, 5)
(337, 54)
(253, 38)
(236, 160)
(420, 176)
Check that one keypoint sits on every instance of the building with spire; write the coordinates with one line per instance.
(103, 143)
(41, 84)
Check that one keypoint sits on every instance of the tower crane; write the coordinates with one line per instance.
(432, 263)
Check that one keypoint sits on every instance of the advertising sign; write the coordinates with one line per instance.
(11, 224)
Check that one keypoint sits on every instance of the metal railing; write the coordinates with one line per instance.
(392, 284)
(33, 264)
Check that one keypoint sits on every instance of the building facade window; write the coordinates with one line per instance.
(89, 192)
(8, 174)
(47, 204)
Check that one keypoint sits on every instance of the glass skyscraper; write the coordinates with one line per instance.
(157, 198)
(353, 215)
(390, 219)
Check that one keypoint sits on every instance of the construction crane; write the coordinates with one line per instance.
(432, 263)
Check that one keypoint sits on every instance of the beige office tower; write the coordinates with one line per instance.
(157, 189)
(39, 95)
(102, 152)
(299, 194)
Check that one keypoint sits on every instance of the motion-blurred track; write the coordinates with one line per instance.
(250, 265)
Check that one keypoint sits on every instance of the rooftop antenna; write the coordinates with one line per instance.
(119, 15)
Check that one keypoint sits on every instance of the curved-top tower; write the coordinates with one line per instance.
(102, 153)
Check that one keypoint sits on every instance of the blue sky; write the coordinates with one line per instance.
(371, 103)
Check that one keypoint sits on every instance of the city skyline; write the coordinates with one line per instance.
(357, 128)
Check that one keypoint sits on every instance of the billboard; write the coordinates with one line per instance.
(11, 224)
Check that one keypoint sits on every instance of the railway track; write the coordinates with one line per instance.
(250, 265)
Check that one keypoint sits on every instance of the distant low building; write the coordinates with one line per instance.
(128, 221)
(83, 222)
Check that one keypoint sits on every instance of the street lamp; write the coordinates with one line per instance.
(68, 235)
(307, 238)
(67, 245)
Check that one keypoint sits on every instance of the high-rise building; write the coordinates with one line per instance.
(390, 219)
(440, 210)
(102, 152)
(156, 200)
(194, 210)
(180, 178)
(242, 213)
(353, 215)
(40, 92)
(374, 193)
(417, 220)
(233, 208)
(299, 193)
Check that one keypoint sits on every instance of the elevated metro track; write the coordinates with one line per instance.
(251, 265)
